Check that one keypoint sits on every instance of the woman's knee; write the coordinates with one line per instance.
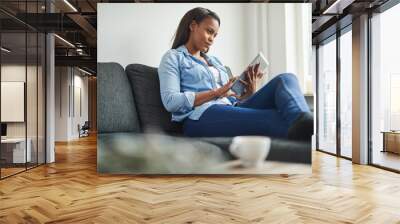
(286, 77)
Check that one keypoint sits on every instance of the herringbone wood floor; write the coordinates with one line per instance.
(70, 191)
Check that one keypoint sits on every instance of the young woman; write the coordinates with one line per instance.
(195, 88)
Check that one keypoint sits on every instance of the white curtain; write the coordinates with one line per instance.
(283, 34)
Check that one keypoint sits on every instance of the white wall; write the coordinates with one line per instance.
(143, 36)
(138, 34)
(61, 103)
(66, 119)
(80, 83)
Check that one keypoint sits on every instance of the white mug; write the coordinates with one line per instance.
(251, 150)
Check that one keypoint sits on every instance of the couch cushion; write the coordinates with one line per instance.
(146, 90)
(116, 111)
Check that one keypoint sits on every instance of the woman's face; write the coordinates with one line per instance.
(202, 35)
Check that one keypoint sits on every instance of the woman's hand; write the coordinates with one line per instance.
(252, 74)
(205, 96)
(223, 91)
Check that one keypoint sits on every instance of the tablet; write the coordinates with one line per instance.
(238, 87)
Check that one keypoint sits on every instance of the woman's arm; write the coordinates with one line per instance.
(203, 97)
(171, 96)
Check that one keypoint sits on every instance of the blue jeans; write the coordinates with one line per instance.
(269, 112)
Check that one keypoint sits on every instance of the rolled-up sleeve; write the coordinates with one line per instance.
(172, 98)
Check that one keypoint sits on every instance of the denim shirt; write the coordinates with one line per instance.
(181, 76)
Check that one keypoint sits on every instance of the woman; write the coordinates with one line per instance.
(195, 89)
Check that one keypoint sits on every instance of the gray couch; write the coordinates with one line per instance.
(132, 121)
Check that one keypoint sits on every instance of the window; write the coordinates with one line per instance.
(385, 88)
(327, 97)
(346, 94)
(22, 78)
